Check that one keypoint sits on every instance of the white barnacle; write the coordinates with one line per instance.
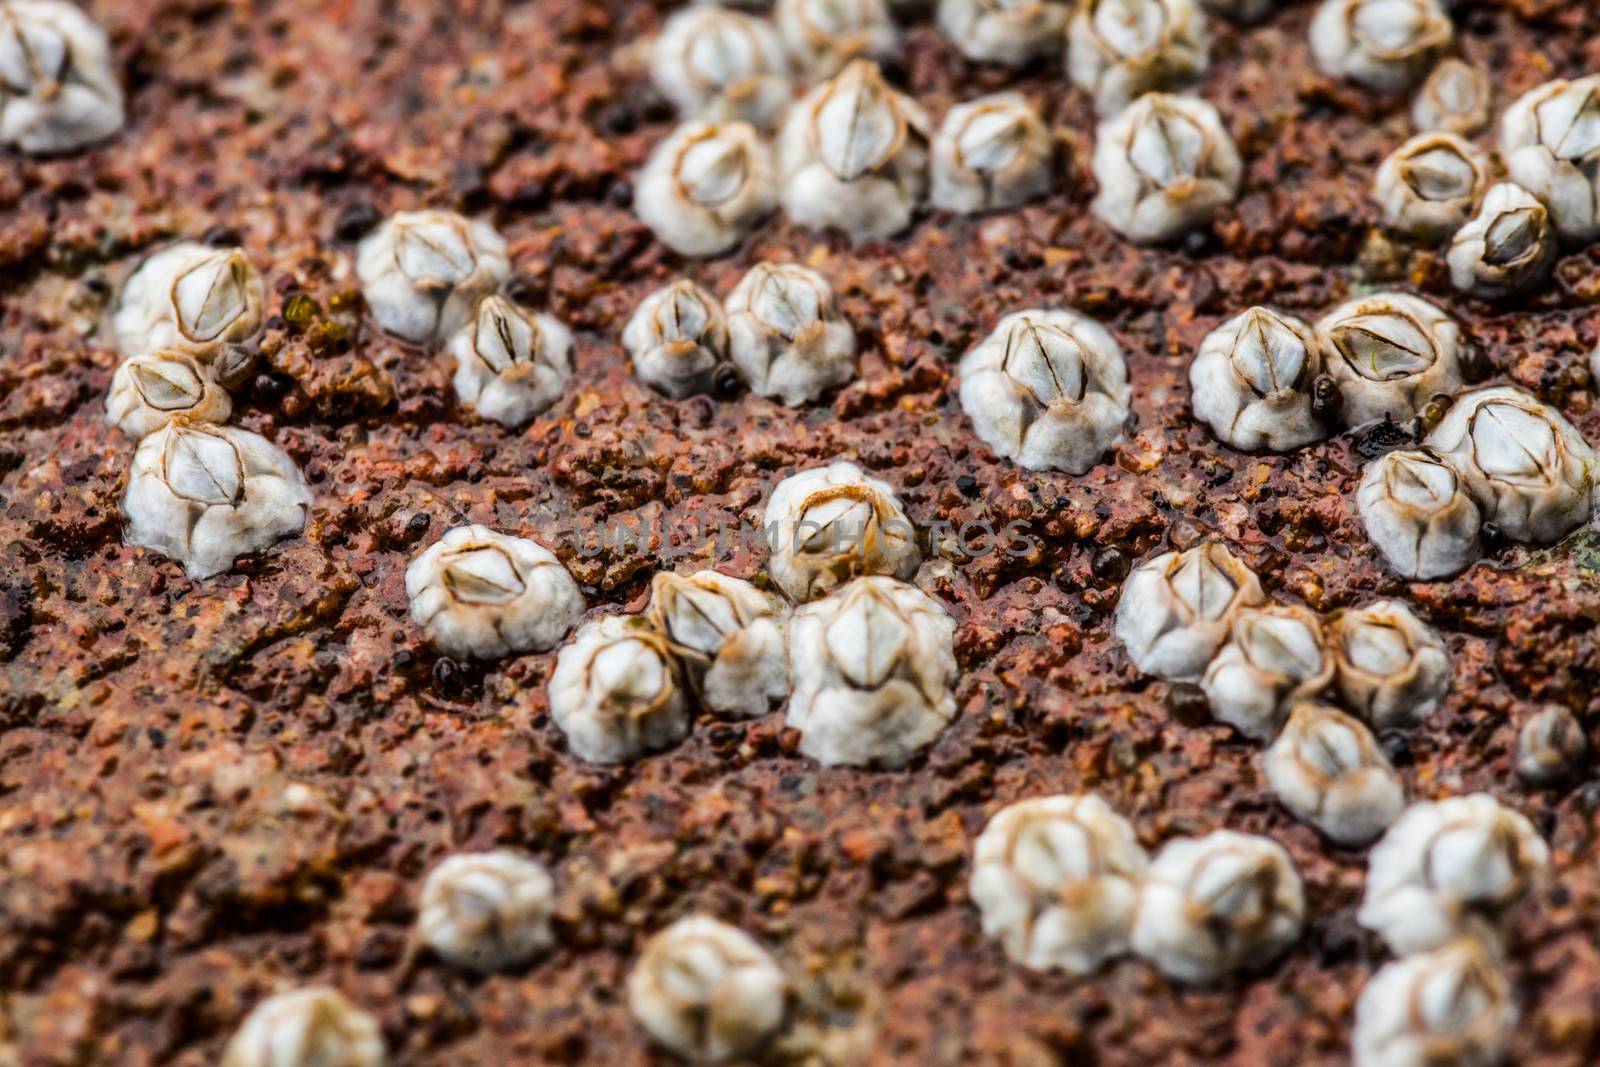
(615, 691)
(58, 91)
(1118, 50)
(786, 335)
(1382, 44)
(707, 186)
(189, 297)
(731, 637)
(678, 340)
(991, 154)
(1550, 139)
(1530, 470)
(203, 495)
(147, 392)
(1175, 609)
(1276, 656)
(314, 1027)
(1418, 513)
(719, 65)
(1217, 904)
(487, 911)
(1447, 866)
(873, 665)
(821, 36)
(511, 364)
(1390, 667)
(1251, 381)
(1509, 245)
(1165, 165)
(853, 155)
(479, 593)
(1450, 1007)
(1009, 32)
(707, 991)
(1048, 389)
(423, 272)
(1551, 746)
(1390, 354)
(1455, 99)
(1056, 880)
(1328, 770)
(1429, 186)
(827, 525)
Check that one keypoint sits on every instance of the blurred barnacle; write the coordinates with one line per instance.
(1118, 50)
(1056, 880)
(1329, 771)
(821, 36)
(1455, 99)
(787, 337)
(479, 593)
(719, 65)
(314, 1027)
(1390, 667)
(991, 154)
(1382, 44)
(1165, 165)
(423, 272)
(731, 638)
(706, 187)
(1048, 389)
(1175, 609)
(1429, 186)
(58, 91)
(707, 991)
(873, 665)
(1508, 246)
(1390, 353)
(203, 495)
(1550, 141)
(1252, 381)
(487, 911)
(1451, 1007)
(511, 364)
(1276, 655)
(1217, 904)
(615, 691)
(147, 392)
(189, 297)
(1009, 32)
(1419, 514)
(678, 340)
(1551, 747)
(827, 525)
(853, 155)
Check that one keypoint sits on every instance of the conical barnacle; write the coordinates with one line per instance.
(1010, 32)
(731, 638)
(1175, 609)
(678, 340)
(147, 392)
(853, 155)
(487, 911)
(873, 664)
(615, 691)
(706, 187)
(58, 91)
(1056, 880)
(1429, 186)
(787, 337)
(1550, 139)
(189, 297)
(1390, 354)
(315, 1027)
(1048, 389)
(827, 525)
(511, 364)
(707, 991)
(1530, 470)
(1418, 513)
(479, 593)
(1329, 771)
(718, 65)
(1551, 747)
(1450, 1007)
(203, 495)
(1118, 50)
(423, 272)
(1276, 656)
(821, 36)
(1382, 44)
(1217, 904)
(990, 154)
(1390, 667)
(1165, 165)
(1455, 99)
(1445, 866)
(1251, 381)
(1506, 247)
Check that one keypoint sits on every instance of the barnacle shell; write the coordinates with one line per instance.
(829, 524)
(314, 1027)
(1418, 512)
(1328, 770)
(731, 637)
(511, 364)
(189, 297)
(990, 154)
(58, 91)
(1551, 746)
(1382, 44)
(1550, 140)
(1390, 667)
(786, 335)
(1275, 656)
(1390, 354)
(1165, 165)
(1452, 1006)
(1455, 99)
(1430, 185)
(1508, 246)
(1120, 49)
(1176, 608)
(487, 911)
(1251, 381)
(423, 272)
(706, 186)
(147, 392)
(1004, 31)
(678, 339)
(615, 691)
(821, 36)
(719, 65)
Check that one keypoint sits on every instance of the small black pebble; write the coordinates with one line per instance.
(968, 485)
(1397, 747)
(223, 237)
(270, 386)
(1325, 399)
(1188, 704)
(418, 524)
(1380, 439)
(620, 194)
(1110, 565)
(355, 221)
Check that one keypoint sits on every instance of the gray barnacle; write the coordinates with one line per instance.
(1118, 50)
(1390, 667)
(487, 911)
(1429, 186)
(787, 337)
(314, 1027)
(1251, 381)
(731, 638)
(1455, 99)
(678, 340)
(1550, 141)
(1390, 353)
(827, 525)
(1166, 166)
(1551, 747)
(1276, 656)
(1449, 1007)
(423, 272)
(511, 364)
(1175, 609)
(1382, 44)
(615, 692)
(147, 392)
(706, 187)
(990, 154)
(1418, 513)
(1329, 771)
(1009, 32)
(719, 65)
(1507, 247)
(821, 36)
(58, 91)
(190, 297)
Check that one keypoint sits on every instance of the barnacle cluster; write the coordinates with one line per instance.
(58, 91)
